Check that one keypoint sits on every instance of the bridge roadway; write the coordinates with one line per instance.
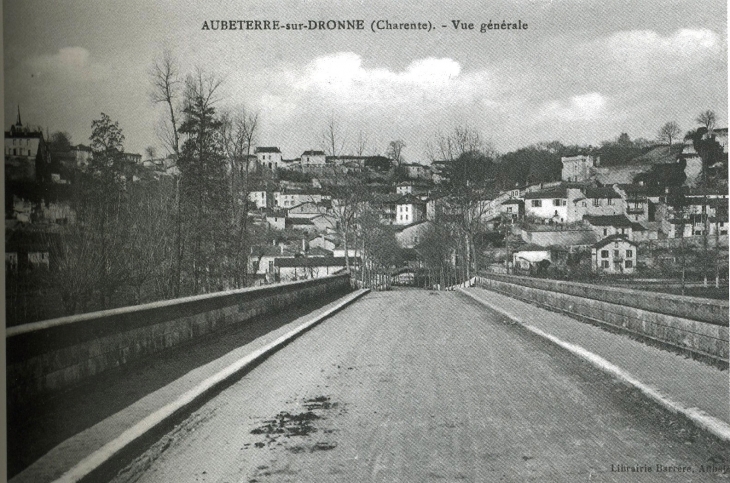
(413, 385)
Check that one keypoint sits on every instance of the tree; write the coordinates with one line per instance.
(707, 119)
(103, 208)
(349, 196)
(669, 132)
(239, 135)
(204, 189)
(60, 142)
(333, 139)
(151, 152)
(361, 143)
(395, 151)
(167, 89)
(463, 139)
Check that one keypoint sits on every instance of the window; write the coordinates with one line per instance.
(616, 254)
(596, 202)
(629, 253)
(604, 254)
(509, 209)
(536, 203)
(610, 201)
(556, 202)
(605, 232)
(604, 264)
(629, 264)
(623, 231)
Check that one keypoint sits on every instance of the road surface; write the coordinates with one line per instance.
(414, 386)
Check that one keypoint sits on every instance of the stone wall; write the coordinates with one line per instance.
(55, 354)
(691, 323)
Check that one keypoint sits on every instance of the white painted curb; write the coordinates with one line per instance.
(95, 460)
(715, 426)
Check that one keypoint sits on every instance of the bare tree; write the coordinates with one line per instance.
(668, 132)
(167, 88)
(239, 136)
(707, 119)
(463, 139)
(333, 139)
(361, 143)
(395, 151)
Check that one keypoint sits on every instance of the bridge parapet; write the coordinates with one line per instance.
(695, 325)
(54, 354)
(694, 308)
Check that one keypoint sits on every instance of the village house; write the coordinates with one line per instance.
(578, 168)
(313, 159)
(289, 198)
(417, 171)
(595, 201)
(410, 209)
(261, 199)
(548, 204)
(614, 254)
(410, 236)
(268, 156)
(608, 225)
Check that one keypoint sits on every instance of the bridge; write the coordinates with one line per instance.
(501, 379)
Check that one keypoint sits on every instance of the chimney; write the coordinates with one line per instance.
(281, 249)
(304, 245)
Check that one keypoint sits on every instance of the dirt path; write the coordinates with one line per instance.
(418, 386)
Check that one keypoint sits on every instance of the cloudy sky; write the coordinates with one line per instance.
(584, 71)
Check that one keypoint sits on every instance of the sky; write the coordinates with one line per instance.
(581, 73)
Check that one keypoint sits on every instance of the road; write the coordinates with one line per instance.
(412, 385)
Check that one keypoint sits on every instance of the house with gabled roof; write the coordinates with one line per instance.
(268, 156)
(614, 254)
(608, 225)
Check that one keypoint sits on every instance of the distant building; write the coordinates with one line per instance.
(578, 168)
(410, 209)
(26, 156)
(410, 236)
(313, 159)
(269, 157)
(614, 254)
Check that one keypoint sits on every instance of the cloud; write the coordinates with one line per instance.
(68, 63)
(341, 78)
(577, 108)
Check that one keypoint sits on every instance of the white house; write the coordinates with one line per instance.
(614, 254)
(578, 168)
(260, 199)
(549, 204)
(313, 159)
(409, 209)
(269, 157)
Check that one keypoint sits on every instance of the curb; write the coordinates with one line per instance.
(102, 459)
(715, 426)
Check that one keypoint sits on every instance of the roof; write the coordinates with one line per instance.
(409, 199)
(559, 192)
(610, 239)
(267, 149)
(313, 153)
(604, 192)
(531, 247)
(298, 221)
(608, 220)
(313, 262)
(513, 201)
